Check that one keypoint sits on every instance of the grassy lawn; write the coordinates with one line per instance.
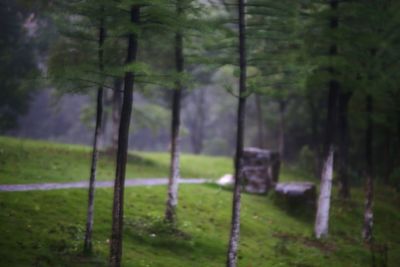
(27, 161)
(45, 228)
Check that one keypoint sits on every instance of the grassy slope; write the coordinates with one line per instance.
(24, 161)
(46, 228)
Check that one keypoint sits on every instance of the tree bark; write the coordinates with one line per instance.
(87, 247)
(172, 202)
(122, 150)
(235, 223)
(369, 187)
(322, 216)
(344, 144)
(260, 122)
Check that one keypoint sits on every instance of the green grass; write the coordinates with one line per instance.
(26, 161)
(45, 228)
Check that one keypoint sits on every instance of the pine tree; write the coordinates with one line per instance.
(184, 27)
(274, 70)
(86, 70)
(95, 152)
(122, 152)
(322, 216)
(235, 223)
(172, 202)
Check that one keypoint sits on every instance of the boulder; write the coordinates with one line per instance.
(260, 169)
(300, 192)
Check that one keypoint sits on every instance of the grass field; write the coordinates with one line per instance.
(45, 228)
(24, 161)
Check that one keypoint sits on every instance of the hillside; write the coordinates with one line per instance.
(25, 161)
(46, 228)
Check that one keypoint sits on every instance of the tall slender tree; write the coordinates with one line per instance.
(235, 222)
(99, 115)
(122, 150)
(77, 62)
(322, 216)
(173, 181)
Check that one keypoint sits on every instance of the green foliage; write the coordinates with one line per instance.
(274, 42)
(150, 116)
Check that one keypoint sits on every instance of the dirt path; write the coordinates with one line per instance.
(85, 184)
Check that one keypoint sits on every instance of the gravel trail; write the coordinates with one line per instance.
(99, 184)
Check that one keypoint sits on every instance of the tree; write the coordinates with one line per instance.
(235, 222)
(86, 69)
(322, 215)
(274, 53)
(122, 150)
(95, 152)
(170, 213)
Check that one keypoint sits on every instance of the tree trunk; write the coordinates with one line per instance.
(122, 150)
(322, 217)
(369, 187)
(260, 122)
(87, 247)
(172, 202)
(282, 109)
(344, 144)
(116, 112)
(235, 223)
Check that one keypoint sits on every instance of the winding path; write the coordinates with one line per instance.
(85, 184)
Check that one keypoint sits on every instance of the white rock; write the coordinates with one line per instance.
(227, 179)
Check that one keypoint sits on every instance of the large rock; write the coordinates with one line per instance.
(300, 192)
(260, 169)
